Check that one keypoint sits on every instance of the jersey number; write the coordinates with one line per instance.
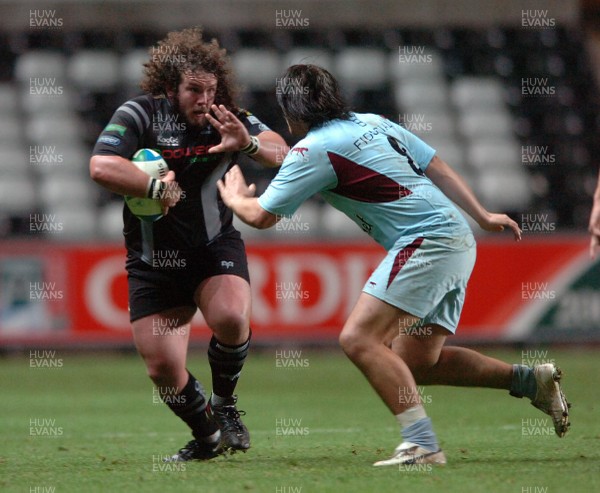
(403, 152)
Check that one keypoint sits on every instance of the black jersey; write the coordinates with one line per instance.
(200, 216)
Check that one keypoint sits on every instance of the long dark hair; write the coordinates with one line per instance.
(311, 95)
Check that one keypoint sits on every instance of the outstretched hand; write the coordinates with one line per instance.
(497, 222)
(233, 185)
(234, 135)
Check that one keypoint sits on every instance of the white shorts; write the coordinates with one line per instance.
(426, 277)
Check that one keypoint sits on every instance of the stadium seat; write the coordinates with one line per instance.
(361, 68)
(478, 122)
(414, 95)
(435, 122)
(504, 190)
(40, 64)
(494, 154)
(17, 195)
(77, 223)
(66, 191)
(53, 127)
(466, 92)
(451, 151)
(61, 159)
(38, 103)
(257, 69)
(8, 99)
(94, 70)
(132, 67)
(14, 161)
(10, 129)
(415, 62)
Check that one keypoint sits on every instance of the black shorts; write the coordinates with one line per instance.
(173, 276)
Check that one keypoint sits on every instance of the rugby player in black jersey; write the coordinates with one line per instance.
(192, 258)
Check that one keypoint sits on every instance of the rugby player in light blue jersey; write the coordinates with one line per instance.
(396, 188)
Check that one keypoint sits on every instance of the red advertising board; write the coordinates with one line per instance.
(78, 293)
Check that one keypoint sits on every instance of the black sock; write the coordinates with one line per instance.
(226, 363)
(190, 406)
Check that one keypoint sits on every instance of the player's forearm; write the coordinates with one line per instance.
(456, 189)
(249, 211)
(119, 175)
(272, 150)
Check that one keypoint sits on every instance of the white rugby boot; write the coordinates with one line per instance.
(411, 453)
(549, 397)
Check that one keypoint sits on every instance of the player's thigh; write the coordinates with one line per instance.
(225, 302)
(162, 338)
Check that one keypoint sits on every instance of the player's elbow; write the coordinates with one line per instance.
(98, 171)
(103, 170)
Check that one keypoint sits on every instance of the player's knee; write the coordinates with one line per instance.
(163, 372)
(230, 326)
(353, 344)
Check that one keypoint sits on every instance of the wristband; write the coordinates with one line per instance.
(156, 189)
(150, 187)
(253, 147)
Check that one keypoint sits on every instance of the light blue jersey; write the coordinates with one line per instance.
(372, 170)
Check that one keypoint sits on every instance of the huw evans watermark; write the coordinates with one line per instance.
(44, 155)
(290, 359)
(290, 19)
(534, 290)
(412, 396)
(290, 427)
(537, 19)
(45, 358)
(413, 54)
(168, 326)
(533, 357)
(45, 86)
(45, 19)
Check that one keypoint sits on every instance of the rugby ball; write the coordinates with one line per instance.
(151, 163)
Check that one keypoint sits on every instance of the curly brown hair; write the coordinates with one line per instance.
(183, 52)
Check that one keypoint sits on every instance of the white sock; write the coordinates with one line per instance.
(411, 416)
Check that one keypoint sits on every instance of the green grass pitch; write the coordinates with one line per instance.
(91, 424)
